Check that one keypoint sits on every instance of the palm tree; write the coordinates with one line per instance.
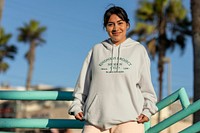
(31, 33)
(161, 25)
(6, 50)
(1, 9)
(195, 4)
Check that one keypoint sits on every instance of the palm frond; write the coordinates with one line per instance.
(3, 67)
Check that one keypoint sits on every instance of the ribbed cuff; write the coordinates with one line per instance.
(77, 111)
(147, 113)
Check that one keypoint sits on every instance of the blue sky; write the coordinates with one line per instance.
(73, 28)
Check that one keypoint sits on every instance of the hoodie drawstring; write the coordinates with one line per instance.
(112, 60)
(118, 56)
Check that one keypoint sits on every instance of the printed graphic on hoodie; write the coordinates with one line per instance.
(115, 65)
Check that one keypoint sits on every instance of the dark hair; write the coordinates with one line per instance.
(120, 12)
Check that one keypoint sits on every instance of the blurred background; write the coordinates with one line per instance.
(51, 59)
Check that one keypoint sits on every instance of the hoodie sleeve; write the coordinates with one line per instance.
(147, 88)
(82, 87)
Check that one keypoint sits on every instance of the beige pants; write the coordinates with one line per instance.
(128, 127)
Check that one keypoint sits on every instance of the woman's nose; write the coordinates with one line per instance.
(115, 28)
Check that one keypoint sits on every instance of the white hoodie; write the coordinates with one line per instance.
(114, 85)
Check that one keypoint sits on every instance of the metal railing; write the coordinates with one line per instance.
(187, 109)
(68, 123)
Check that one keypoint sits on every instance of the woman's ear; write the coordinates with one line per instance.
(106, 29)
(128, 26)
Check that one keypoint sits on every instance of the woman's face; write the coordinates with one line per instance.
(116, 29)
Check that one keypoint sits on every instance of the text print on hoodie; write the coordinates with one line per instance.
(114, 85)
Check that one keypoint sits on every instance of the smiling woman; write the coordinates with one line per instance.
(114, 92)
(116, 29)
(116, 23)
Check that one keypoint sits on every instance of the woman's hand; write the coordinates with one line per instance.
(79, 116)
(142, 118)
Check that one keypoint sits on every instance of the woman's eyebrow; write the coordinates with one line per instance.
(117, 21)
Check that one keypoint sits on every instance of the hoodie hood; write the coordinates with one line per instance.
(116, 51)
(108, 44)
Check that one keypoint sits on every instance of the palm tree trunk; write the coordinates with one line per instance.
(160, 78)
(195, 4)
(1, 10)
(30, 58)
(161, 55)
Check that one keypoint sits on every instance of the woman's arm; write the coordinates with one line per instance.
(82, 87)
(147, 88)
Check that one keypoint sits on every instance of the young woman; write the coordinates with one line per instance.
(114, 92)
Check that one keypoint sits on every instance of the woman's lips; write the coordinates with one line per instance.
(115, 33)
